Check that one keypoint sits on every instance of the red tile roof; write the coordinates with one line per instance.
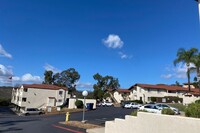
(160, 86)
(43, 86)
(123, 90)
(195, 91)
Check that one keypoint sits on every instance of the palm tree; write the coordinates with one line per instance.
(196, 62)
(186, 57)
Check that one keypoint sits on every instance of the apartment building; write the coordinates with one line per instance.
(121, 95)
(38, 96)
(145, 92)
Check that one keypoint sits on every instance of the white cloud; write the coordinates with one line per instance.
(113, 41)
(4, 53)
(49, 67)
(178, 72)
(167, 76)
(84, 85)
(5, 71)
(15, 78)
(124, 56)
(7, 77)
(5, 74)
(30, 78)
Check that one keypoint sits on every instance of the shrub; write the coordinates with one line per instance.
(79, 104)
(193, 110)
(4, 102)
(153, 99)
(168, 111)
(134, 113)
(197, 101)
(137, 101)
(179, 106)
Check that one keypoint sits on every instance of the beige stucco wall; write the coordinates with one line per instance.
(118, 96)
(38, 98)
(73, 100)
(145, 93)
(153, 123)
(188, 100)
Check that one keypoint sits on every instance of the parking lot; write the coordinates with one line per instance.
(46, 123)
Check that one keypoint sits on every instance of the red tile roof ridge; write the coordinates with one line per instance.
(123, 90)
(162, 86)
(44, 86)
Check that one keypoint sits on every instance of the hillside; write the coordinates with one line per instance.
(5, 92)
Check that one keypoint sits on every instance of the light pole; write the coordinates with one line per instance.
(84, 93)
(198, 7)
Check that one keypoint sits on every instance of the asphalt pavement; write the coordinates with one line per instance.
(11, 123)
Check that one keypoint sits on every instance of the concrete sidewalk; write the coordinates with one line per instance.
(96, 130)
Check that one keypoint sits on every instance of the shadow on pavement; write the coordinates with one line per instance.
(6, 111)
(11, 129)
(10, 123)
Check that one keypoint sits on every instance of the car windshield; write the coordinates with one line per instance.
(165, 106)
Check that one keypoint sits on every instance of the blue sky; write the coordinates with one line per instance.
(134, 41)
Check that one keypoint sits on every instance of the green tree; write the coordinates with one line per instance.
(104, 83)
(196, 62)
(67, 78)
(177, 83)
(187, 57)
(48, 77)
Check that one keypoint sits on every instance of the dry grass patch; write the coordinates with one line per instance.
(80, 124)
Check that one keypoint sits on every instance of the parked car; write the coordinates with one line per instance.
(99, 104)
(32, 111)
(107, 104)
(123, 103)
(132, 105)
(162, 106)
(150, 108)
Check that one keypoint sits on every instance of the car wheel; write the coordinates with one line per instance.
(40, 113)
(27, 114)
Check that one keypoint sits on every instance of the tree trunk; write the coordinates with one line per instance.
(188, 76)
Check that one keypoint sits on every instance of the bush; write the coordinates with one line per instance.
(193, 110)
(197, 101)
(137, 101)
(79, 104)
(134, 113)
(153, 99)
(179, 106)
(4, 102)
(168, 111)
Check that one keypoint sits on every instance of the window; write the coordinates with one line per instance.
(59, 100)
(148, 106)
(60, 92)
(140, 98)
(25, 89)
(165, 106)
(149, 98)
(23, 99)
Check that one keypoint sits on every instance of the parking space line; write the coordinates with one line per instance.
(68, 129)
